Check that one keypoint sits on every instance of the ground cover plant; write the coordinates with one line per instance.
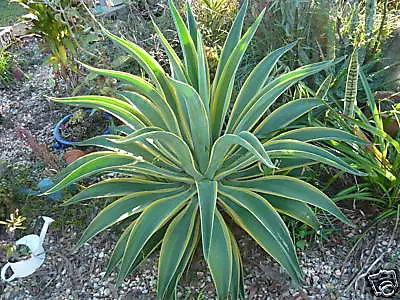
(190, 165)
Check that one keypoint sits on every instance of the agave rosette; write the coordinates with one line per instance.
(189, 162)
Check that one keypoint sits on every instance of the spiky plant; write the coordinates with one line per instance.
(190, 166)
(350, 97)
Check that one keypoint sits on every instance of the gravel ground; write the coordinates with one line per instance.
(68, 275)
(24, 105)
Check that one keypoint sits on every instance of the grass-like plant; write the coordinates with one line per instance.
(380, 159)
(6, 65)
(190, 164)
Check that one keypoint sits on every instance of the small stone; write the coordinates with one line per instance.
(107, 292)
(338, 273)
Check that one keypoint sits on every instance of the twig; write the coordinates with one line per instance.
(363, 275)
(44, 288)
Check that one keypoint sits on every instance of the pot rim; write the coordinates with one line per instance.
(57, 133)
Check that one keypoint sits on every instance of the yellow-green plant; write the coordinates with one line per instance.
(6, 64)
(49, 22)
(214, 18)
(191, 165)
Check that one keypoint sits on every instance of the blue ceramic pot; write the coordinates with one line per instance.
(62, 143)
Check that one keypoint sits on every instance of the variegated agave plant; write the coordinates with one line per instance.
(190, 164)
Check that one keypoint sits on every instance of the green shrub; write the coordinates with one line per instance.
(327, 30)
(190, 165)
(58, 24)
(6, 65)
(380, 159)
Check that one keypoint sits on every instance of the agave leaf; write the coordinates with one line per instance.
(265, 213)
(176, 241)
(191, 23)
(187, 44)
(237, 284)
(115, 187)
(295, 209)
(170, 292)
(207, 194)
(149, 169)
(230, 43)
(143, 150)
(150, 111)
(250, 172)
(198, 120)
(146, 89)
(221, 96)
(259, 105)
(137, 149)
(124, 130)
(255, 81)
(118, 108)
(262, 236)
(158, 75)
(178, 69)
(153, 218)
(220, 257)
(292, 148)
(79, 162)
(292, 188)
(308, 134)
(121, 209)
(174, 143)
(311, 134)
(145, 60)
(152, 244)
(95, 166)
(203, 75)
(286, 114)
(223, 144)
(119, 248)
(156, 146)
(234, 164)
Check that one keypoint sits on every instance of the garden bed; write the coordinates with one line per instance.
(336, 261)
(78, 275)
